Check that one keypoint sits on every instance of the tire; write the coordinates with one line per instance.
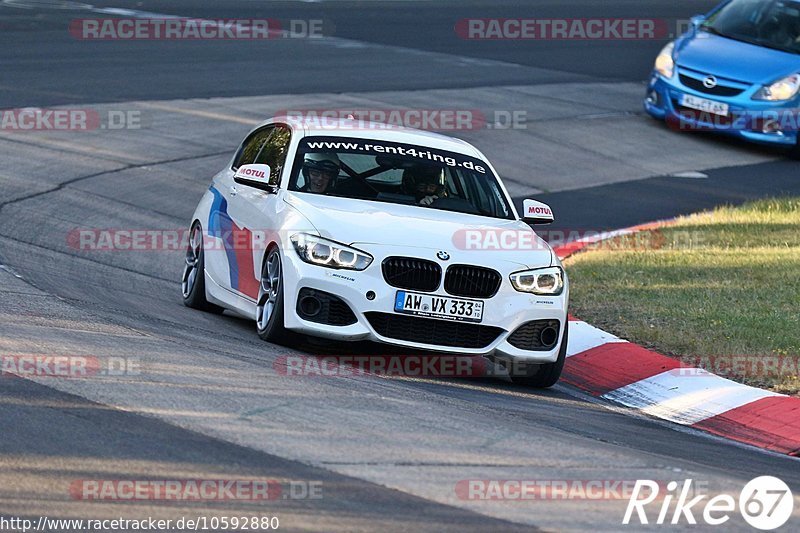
(193, 280)
(269, 305)
(546, 375)
(794, 153)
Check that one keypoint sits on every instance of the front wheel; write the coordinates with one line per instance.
(794, 153)
(269, 306)
(546, 375)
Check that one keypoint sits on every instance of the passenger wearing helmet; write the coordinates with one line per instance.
(425, 183)
(320, 171)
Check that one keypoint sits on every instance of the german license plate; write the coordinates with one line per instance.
(438, 306)
(704, 104)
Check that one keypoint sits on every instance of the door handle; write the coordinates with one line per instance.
(233, 190)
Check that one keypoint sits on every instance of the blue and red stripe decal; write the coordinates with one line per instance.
(238, 244)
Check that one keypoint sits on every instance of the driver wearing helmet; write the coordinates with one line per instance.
(320, 171)
(425, 183)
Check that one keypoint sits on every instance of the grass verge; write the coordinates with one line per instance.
(720, 290)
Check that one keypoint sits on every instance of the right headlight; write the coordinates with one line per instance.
(665, 65)
(781, 90)
(326, 253)
(542, 281)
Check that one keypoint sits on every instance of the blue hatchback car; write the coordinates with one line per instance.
(736, 71)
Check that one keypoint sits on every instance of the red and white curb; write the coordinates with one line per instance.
(628, 374)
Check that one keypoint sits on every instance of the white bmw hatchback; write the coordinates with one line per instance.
(368, 232)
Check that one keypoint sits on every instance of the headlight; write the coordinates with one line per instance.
(331, 254)
(780, 90)
(543, 281)
(665, 65)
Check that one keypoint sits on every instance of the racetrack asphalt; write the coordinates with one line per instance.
(210, 399)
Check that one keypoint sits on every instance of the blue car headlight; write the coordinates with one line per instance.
(665, 64)
(326, 253)
(780, 91)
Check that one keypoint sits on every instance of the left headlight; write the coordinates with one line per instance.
(665, 64)
(327, 253)
(781, 90)
(543, 281)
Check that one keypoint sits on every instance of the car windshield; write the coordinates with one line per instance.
(399, 174)
(773, 23)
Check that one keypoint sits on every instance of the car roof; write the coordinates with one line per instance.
(365, 129)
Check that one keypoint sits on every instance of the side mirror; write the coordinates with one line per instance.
(256, 176)
(697, 20)
(535, 212)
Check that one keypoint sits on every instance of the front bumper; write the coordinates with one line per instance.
(747, 116)
(506, 310)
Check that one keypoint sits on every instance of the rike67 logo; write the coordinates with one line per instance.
(765, 503)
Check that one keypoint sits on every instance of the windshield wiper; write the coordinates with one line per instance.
(755, 42)
(771, 46)
(715, 31)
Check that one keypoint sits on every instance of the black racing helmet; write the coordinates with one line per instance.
(423, 180)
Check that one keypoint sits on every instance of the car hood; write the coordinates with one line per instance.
(467, 238)
(735, 60)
